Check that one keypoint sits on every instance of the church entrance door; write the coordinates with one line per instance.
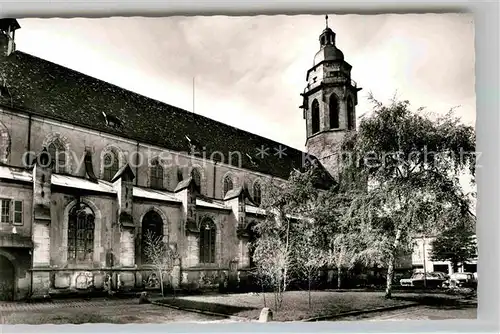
(7, 279)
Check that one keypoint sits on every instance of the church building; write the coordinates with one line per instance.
(88, 169)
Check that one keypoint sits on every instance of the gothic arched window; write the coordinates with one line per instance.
(180, 175)
(315, 116)
(207, 241)
(196, 175)
(152, 229)
(81, 233)
(156, 175)
(350, 113)
(257, 193)
(57, 156)
(111, 165)
(334, 112)
(228, 184)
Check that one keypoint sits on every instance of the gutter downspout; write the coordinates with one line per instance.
(137, 165)
(32, 210)
(29, 132)
(214, 178)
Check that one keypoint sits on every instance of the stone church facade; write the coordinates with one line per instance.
(88, 168)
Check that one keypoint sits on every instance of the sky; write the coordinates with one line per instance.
(249, 71)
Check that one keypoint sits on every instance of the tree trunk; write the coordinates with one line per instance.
(280, 296)
(173, 290)
(390, 276)
(161, 283)
(286, 251)
(339, 277)
(390, 267)
(263, 293)
(276, 288)
(309, 289)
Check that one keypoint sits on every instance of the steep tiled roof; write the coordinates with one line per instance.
(53, 91)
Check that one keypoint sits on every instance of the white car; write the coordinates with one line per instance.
(465, 280)
(432, 280)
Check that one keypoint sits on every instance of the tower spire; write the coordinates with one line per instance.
(326, 20)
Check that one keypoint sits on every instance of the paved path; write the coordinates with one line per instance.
(55, 304)
(96, 311)
(421, 313)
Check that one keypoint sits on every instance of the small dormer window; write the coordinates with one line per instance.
(4, 88)
(112, 121)
(250, 158)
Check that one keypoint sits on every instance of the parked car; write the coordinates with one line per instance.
(462, 280)
(440, 273)
(432, 280)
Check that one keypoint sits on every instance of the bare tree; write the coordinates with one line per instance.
(308, 257)
(335, 235)
(272, 258)
(341, 255)
(160, 256)
(263, 280)
(284, 201)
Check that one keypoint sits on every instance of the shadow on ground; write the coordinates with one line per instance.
(439, 302)
(204, 306)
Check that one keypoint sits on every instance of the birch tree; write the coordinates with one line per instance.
(412, 164)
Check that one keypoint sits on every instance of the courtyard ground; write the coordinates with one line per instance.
(95, 311)
(326, 304)
(421, 312)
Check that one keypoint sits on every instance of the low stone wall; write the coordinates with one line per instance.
(82, 281)
(53, 282)
(194, 279)
(73, 280)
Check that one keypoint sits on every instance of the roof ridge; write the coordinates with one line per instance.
(51, 90)
(175, 108)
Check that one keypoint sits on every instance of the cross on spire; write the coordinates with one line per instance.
(326, 19)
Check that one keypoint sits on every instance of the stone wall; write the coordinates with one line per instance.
(115, 261)
(77, 140)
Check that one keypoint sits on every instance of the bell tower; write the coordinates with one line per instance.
(329, 102)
